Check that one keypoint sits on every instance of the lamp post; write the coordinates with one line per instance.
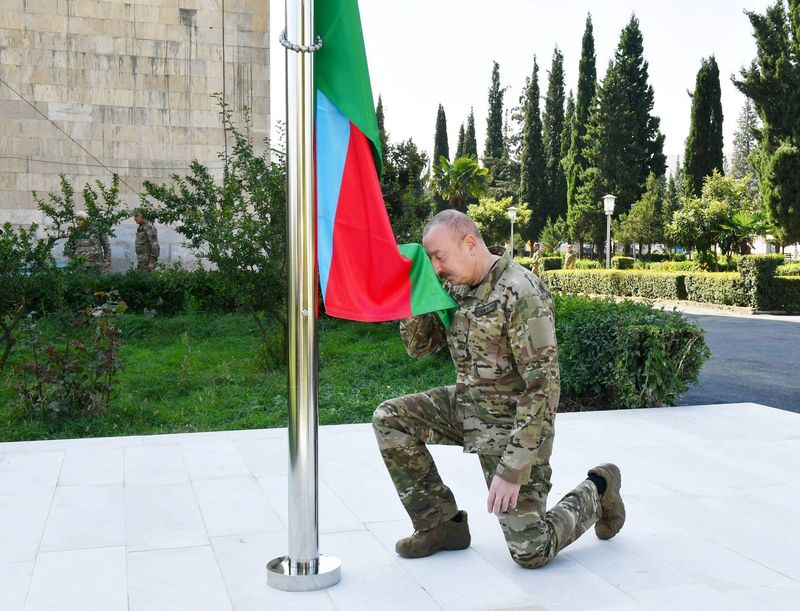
(608, 207)
(512, 216)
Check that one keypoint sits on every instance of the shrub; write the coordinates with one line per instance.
(625, 283)
(549, 263)
(678, 256)
(723, 288)
(757, 273)
(587, 264)
(786, 293)
(525, 262)
(620, 262)
(789, 269)
(626, 354)
(674, 266)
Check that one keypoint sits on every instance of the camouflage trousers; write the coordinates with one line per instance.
(403, 426)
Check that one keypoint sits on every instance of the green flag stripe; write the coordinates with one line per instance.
(427, 294)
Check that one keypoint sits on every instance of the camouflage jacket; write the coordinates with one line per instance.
(147, 249)
(536, 263)
(569, 260)
(89, 245)
(503, 344)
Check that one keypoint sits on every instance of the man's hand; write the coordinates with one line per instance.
(150, 267)
(502, 496)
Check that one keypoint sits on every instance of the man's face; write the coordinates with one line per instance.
(535, 247)
(79, 221)
(454, 260)
(569, 248)
(138, 218)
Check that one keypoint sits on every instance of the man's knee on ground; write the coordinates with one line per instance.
(528, 561)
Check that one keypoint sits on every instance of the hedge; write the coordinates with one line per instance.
(625, 354)
(625, 283)
(786, 293)
(789, 269)
(722, 288)
(621, 262)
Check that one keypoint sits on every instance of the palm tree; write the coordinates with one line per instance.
(738, 233)
(460, 181)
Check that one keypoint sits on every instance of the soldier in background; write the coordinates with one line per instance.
(536, 265)
(569, 258)
(88, 245)
(502, 407)
(147, 249)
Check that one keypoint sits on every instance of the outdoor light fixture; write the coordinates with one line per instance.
(512, 215)
(608, 208)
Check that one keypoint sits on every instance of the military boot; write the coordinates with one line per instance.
(450, 535)
(613, 516)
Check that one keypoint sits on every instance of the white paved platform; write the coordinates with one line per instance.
(188, 522)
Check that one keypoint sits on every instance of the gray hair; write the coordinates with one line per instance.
(456, 221)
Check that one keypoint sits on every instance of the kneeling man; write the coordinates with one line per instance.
(502, 407)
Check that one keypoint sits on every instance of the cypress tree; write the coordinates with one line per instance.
(384, 138)
(771, 82)
(704, 145)
(440, 144)
(460, 145)
(587, 85)
(554, 203)
(470, 141)
(566, 133)
(493, 149)
(624, 141)
(745, 141)
(532, 160)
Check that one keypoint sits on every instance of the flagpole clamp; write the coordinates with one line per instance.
(293, 46)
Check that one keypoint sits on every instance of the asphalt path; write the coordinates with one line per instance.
(753, 359)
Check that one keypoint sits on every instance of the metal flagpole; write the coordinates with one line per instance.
(303, 569)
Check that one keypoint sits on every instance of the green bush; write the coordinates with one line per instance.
(620, 262)
(624, 283)
(678, 256)
(587, 264)
(786, 293)
(549, 263)
(723, 288)
(788, 269)
(525, 262)
(757, 273)
(674, 266)
(616, 355)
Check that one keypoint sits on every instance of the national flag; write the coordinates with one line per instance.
(363, 274)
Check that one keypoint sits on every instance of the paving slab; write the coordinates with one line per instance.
(189, 521)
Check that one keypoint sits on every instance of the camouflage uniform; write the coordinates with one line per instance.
(147, 248)
(536, 265)
(89, 245)
(569, 260)
(502, 407)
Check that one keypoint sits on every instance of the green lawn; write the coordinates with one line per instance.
(203, 373)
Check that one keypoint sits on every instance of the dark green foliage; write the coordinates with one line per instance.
(554, 203)
(745, 143)
(772, 81)
(26, 267)
(721, 288)
(622, 283)
(788, 269)
(76, 373)
(785, 294)
(382, 135)
(566, 138)
(623, 139)
(757, 273)
(470, 141)
(440, 144)
(643, 224)
(551, 263)
(461, 141)
(460, 182)
(575, 162)
(495, 142)
(403, 186)
(626, 355)
(704, 144)
(239, 225)
(533, 183)
(622, 262)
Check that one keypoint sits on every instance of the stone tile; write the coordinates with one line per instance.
(14, 581)
(213, 458)
(243, 561)
(250, 513)
(153, 465)
(698, 597)
(159, 517)
(176, 580)
(92, 467)
(264, 457)
(23, 473)
(85, 516)
(79, 579)
(22, 519)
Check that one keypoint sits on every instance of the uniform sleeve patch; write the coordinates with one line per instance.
(485, 309)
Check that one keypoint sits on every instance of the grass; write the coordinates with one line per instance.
(205, 373)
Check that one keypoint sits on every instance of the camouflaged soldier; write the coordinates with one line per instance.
(570, 258)
(502, 407)
(147, 248)
(88, 245)
(536, 263)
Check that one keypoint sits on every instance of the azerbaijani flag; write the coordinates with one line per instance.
(364, 275)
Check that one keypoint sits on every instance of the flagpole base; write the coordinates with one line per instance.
(283, 575)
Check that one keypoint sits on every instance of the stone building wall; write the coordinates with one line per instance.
(91, 87)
